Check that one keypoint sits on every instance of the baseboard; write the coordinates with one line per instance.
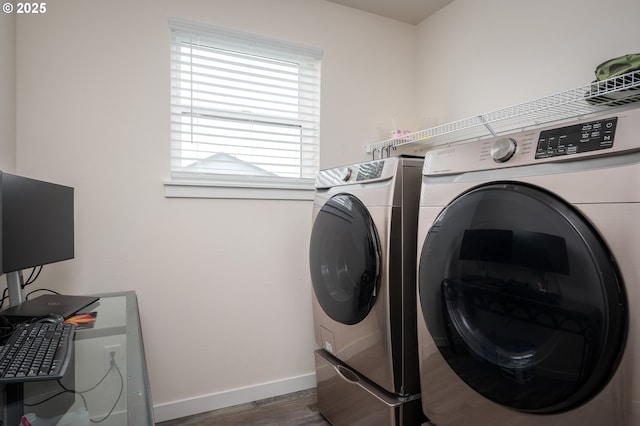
(202, 404)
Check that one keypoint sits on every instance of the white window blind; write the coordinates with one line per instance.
(245, 111)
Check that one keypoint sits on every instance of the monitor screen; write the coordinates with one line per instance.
(37, 222)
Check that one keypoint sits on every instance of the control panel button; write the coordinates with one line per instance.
(503, 149)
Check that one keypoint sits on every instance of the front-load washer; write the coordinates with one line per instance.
(529, 266)
(362, 260)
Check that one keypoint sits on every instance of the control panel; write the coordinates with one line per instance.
(584, 137)
(371, 170)
(361, 173)
(610, 134)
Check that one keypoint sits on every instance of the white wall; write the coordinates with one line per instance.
(7, 98)
(223, 285)
(7, 93)
(479, 56)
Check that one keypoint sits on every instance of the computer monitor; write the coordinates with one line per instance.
(37, 228)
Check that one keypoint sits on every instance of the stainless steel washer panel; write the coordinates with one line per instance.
(383, 346)
(604, 186)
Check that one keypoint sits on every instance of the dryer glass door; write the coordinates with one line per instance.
(522, 298)
(344, 258)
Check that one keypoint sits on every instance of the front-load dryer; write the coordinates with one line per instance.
(529, 249)
(362, 261)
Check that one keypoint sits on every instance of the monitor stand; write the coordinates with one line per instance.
(15, 284)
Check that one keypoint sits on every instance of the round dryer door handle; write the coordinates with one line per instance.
(503, 149)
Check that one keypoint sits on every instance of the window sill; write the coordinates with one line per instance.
(227, 191)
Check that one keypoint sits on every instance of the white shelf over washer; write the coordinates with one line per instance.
(573, 103)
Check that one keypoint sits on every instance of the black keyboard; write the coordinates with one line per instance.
(36, 351)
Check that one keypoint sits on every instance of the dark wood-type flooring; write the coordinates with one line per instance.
(295, 409)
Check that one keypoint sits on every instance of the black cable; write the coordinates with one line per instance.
(65, 390)
(92, 387)
(4, 296)
(31, 278)
(113, 364)
(49, 398)
(39, 289)
(81, 393)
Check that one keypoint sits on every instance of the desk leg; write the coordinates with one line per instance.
(13, 394)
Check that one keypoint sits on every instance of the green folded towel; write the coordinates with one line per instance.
(618, 66)
(615, 67)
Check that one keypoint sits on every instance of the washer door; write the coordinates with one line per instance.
(345, 259)
(522, 298)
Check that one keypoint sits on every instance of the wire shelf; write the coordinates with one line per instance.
(573, 103)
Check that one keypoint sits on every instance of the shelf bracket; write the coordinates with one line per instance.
(481, 117)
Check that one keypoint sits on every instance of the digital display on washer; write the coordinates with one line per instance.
(584, 137)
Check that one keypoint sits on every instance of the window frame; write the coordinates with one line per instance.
(198, 184)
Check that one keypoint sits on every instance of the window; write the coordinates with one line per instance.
(245, 111)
